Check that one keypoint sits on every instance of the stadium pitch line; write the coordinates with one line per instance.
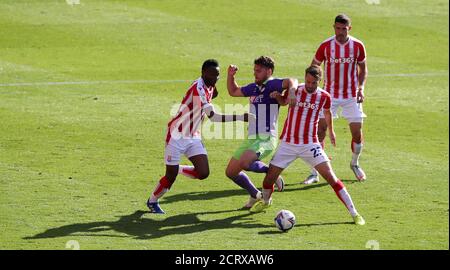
(436, 74)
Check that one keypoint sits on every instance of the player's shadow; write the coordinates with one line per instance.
(299, 186)
(351, 181)
(203, 195)
(151, 227)
(306, 225)
(216, 194)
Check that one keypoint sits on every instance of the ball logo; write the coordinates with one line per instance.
(284, 220)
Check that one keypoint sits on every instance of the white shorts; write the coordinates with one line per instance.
(351, 110)
(312, 154)
(188, 147)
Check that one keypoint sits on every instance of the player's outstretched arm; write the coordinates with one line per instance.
(233, 88)
(217, 117)
(282, 99)
(329, 121)
(291, 85)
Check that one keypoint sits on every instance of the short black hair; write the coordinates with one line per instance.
(209, 63)
(265, 61)
(343, 18)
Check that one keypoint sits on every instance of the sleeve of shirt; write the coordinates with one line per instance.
(277, 85)
(200, 96)
(327, 104)
(361, 53)
(249, 90)
(320, 53)
(208, 108)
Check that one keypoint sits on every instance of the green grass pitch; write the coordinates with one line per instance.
(86, 92)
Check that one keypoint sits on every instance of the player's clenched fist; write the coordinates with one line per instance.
(232, 69)
(275, 95)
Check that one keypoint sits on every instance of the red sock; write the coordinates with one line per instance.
(337, 188)
(267, 191)
(268, 186)
(163, 186)
(190, 171)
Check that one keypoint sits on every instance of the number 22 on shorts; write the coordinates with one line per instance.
(317, 151)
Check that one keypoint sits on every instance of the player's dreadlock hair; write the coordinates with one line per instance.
(342, 18)
(265, 61)
(315, 71)
(209, 63)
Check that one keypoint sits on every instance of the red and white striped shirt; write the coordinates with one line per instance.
(341, 76)
(302, 119)
(187, 121)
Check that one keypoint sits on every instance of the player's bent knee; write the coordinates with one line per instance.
(244, 164)
(230, 174)
(203, 175)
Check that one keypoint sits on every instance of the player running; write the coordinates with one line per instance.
(262, 133)
(345, 76)
(299, 140)
(183, 134)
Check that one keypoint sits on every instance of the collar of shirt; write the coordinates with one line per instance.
(342, 44)
(263, 85)
(203, 85)
(304, 89)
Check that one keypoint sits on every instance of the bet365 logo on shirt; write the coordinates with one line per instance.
(342, 60)
(256, 99)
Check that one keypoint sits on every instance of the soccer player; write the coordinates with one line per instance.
(345, 76)
(262, 133)
(183, 134)
(299, 140)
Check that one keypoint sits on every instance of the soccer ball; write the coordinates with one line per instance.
(285, 220)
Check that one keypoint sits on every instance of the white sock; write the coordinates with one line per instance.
(356, 149)
(267, 194)
(345, 196)
(155, 198)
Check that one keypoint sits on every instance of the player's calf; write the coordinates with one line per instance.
(327, 173)
(161, 188)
